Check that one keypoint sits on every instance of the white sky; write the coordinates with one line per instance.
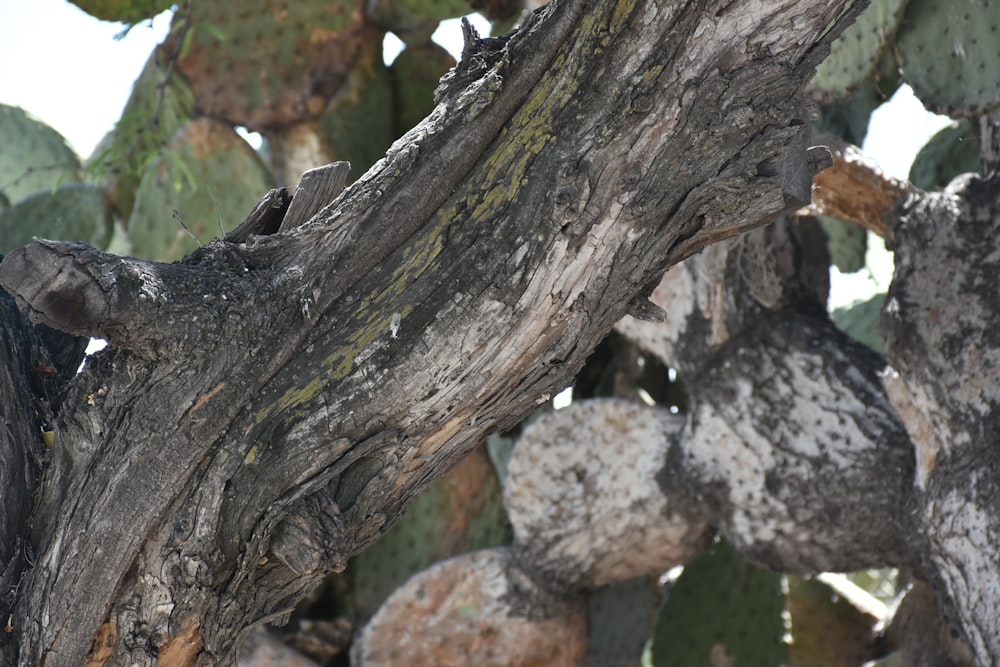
(66, 69)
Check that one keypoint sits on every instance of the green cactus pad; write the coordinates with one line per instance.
(461, 512)
(358, 121)
(263, 64)
(126, 11)
(415, 74)
(620, 620)
(161, 101)
(860, 321)
(73, 212)
(34, 157)
(410, 29)
(722, 611)
(848, 119)
(952, 151)
(210, 176)
(948, 54)
(847, 243)
(855, 54)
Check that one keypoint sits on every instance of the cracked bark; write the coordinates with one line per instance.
(940, 324)
(267, 408)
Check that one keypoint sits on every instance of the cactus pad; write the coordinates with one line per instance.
(73, 212)
(415, 75)
(952, 151)
(855, 54)
(722, 611)
(827, 629)
(860, 321)
(847, 243)
(210, 176)
(358, 120)
(948, 54)
(161, 101)
(127, 11)
(475, 609)
(462, 511)
(34, 157)
(620, 619)
(848, 119)
(264, 64)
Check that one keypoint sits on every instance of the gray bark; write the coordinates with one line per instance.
(267, 408)
(791, 442)
(941, 323)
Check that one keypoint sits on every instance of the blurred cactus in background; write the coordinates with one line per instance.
(41, 193)
(309, 77)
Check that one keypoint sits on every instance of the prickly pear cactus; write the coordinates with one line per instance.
(952, 151)
(860, 321)
(848, 119)
(262, 64)
(462, 512)
(161, 101)
(72, 212)
(127, 11)
(620, 619)
(414, 21)
(847, 243)
(477, 609)
(855, 54)
(827, 629)
(722, 611)
(415, 74)
(948, 54)
(358, 120)
(34, 157)
(210, 176)
(438, 10)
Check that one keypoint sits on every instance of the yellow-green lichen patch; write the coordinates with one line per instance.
(382, 323)
(418, 258)
(530, 129)
(293, 396)
(652, 74)
(621, 15)
(251, 455)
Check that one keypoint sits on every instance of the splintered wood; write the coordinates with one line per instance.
(857, 192)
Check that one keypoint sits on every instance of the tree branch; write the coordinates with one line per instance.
(329, 373)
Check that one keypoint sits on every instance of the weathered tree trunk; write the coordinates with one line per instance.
(941, 323)
(268, 408)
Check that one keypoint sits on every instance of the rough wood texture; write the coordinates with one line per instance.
(745, 323)
(941, 323)
(34, 363)
(317, 188)
(268, 408)
(858, 192)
